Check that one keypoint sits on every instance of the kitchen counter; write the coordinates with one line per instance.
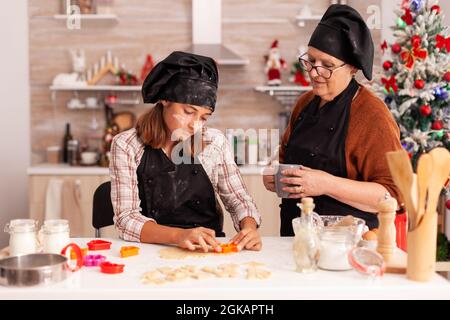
(284, 283)
(67, 170)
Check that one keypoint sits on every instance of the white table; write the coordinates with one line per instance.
(90, 283)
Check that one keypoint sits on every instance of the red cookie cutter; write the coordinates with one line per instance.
(99, 245)
(111, 268)
(129, 251)
(93, 260)
(79, 256)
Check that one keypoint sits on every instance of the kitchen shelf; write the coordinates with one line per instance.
(97, 88)
(286, 95)
(90, 17)
(301, 20)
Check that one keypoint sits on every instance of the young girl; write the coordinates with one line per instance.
(163, 184)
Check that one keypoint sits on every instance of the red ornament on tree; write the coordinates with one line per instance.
(387, 65)
(416, 41)
(447, 76)
(436, 8)
(419, 84)
(425, 110)
(437, 125)
(396, 48)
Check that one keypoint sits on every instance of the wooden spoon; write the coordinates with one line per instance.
(424, 172)
(402, 173)
(439, 175)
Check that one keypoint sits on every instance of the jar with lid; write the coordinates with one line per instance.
(54, 235)
(335, 242)
(306, 242)
(22, 239)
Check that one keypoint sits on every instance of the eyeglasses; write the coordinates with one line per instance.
(323, 72)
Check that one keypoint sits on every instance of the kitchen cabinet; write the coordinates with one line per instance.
(87, 185)
(89, 178)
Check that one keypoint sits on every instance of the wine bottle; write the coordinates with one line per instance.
(67, 138)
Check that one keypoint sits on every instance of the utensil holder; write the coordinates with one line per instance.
(422, 249)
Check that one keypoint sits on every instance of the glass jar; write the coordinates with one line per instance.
(335, 242)
(22, 239)
(55, 235)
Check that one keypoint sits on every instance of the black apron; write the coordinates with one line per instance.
(317, 141)
(177, 195)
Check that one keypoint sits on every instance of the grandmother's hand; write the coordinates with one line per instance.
(306, 182)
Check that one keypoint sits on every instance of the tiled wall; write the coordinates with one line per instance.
(159, 27)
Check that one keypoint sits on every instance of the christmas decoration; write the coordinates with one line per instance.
(425, 110)
(126, 78)
(390, 84)
(407, 17)
(416, 5)
(274, 64)
(298, 75)
(419, 84)
(437, 125)
(148, 66)
(442, 42)
(387, 65)
(396, 48)
(436, 9)
(447, 76)
(409, 56)
(105, 67)
(416, 86)
(384, 46)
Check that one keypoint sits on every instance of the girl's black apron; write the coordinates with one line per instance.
(177, 195)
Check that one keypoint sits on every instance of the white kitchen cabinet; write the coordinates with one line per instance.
(90, 178)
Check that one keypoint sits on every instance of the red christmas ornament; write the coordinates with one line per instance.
(419, 84)
(425, 110)
(387, 65)
(437, 125)
(447, 76)
(416, 41)
(396, 48)
(436, 8)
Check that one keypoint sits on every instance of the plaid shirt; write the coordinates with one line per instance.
(216, 159)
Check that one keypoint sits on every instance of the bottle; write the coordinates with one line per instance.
(306, 242)
(67, 138)
(252, 150)
(73, 152)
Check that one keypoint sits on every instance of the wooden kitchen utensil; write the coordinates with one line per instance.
(402, 173)
(440, 173)
(422, 240)
(424, 173)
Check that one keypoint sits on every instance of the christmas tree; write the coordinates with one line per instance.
(416, 79)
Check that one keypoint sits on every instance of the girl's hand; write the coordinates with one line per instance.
(206, 238)
(269, 178)
(248, 238)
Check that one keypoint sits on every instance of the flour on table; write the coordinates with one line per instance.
(175, 253)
